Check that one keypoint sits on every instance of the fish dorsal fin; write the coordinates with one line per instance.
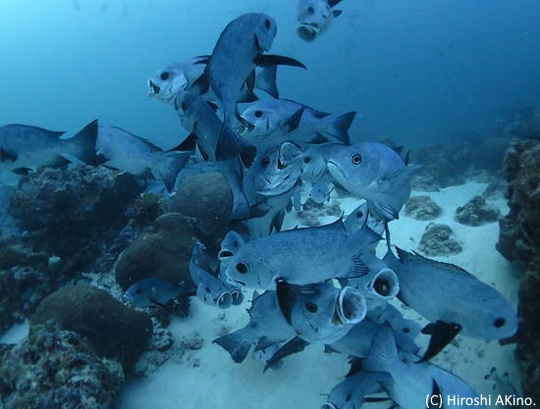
(187, 145)
(333, 3)
(319, 114)
(405, 256)
(319, 139)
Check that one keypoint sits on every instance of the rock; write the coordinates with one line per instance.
(145, 209)
(477, 212)
(208, 199)
(71, 212)
(57, 369)
(490, 154)
(438, 240)
(164, 253)
(422, 208)
(112, 329)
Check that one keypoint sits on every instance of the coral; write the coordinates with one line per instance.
(208, 199)
(55, 369)
(477, 212)
(146, 208)
(422, 208)
(490, 154)
(70, 212)
(438, 240)
(114, 330)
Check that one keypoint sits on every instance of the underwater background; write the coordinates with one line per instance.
(452, 86)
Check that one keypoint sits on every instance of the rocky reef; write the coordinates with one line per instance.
(113, 330)
(439, 240)
(72, 212)
(422, 208)
(477, 212)
(520, 241)
(57, 369)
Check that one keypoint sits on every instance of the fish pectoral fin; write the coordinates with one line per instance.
(267, 60)
(6, 156)
(214, 106)
(435, 392)
(293, 346)
(21, 171)
(375, 399)
(333, 3)
(319, 138)
(336, 13)
(294, 120)
(160, 305)
(441, 334)
(358, 268)
(383, 210)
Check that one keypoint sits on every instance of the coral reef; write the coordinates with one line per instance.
(55, 369)
(114, 330)
(438, 240)
(477, 212)
(519, 240)
(71, 212)
(208, 199)
(422, 208)
(145, 209)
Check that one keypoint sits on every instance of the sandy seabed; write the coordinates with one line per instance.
(208, 378)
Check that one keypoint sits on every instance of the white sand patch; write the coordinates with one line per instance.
(217, 382)
(15, 334)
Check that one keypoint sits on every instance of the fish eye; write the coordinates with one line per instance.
(357, 159)
(381, 286)
(184, 106)
(138, 291)
(258, 114)
(267, 24)
(499, 322)
(164, 76)
(406, 330)
(312, 308)
(265, 162)
(207, 289)
(241, 268)
(307, 159)
(348, 397)
(311, 10)
(359, 215)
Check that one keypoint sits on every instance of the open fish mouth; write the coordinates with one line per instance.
(224, 300)
(328, 405)
(351, 306)
(307, 32)
(385, 284)
(237, 296)
(154, 89)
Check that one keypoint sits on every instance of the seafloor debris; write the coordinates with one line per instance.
(520, 241)
(438, 240)
(114, 330)
(422, 208)
(477, 212)
(57, 369)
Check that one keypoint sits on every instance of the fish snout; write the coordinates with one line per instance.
(351, 306)
(154, 89)
(308, 31)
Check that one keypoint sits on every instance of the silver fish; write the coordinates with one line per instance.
(320, 313)
(138, 156)
(271, 121)
(352, 391)
(301, 256)
(237, 52)
(314, 17)
(433, 288)
(204, 125)
(410, 384)
(156, 292)
(374, 172)
(24, 146)
(266, 327)
(360, 216)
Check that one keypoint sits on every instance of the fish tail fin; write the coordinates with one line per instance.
(230, 145)
(266, 80)
(235, 344)
(83, 144)
(341, 125)
(383, 351)
(169, 165)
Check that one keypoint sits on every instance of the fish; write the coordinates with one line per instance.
(320, 313)
(136, 155)
(410, 385)
(239, 49)
(166, 83)
(157, 292)
(376, 173)
(433, 289)
(204, 126)
(266, 327)
(301, 256)
(352, 392)
(270, 121)
(23, 147)
(210, 289)
(360, 216)
(320, 192)
(314, 17)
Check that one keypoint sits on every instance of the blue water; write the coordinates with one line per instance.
(416, 71)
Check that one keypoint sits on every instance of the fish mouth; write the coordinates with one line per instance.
(154, 89)
(351, 306)
(234, 281)
(237, 297)
(335, 171)
(328, 405)
(307, 31)
(385, 284)
(224, 300)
